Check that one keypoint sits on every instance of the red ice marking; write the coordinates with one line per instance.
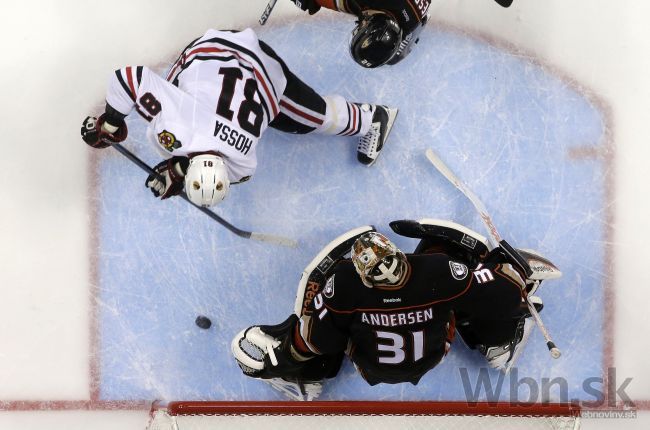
(75, 405)
(95, 360)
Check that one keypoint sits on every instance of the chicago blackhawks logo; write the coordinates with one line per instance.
(168, 141)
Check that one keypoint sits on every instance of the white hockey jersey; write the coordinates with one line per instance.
(220, 96)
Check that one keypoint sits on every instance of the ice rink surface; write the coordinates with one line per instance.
(498, 121)
(101, 282)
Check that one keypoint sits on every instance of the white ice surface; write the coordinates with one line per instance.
(56, 56)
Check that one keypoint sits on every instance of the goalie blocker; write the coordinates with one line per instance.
(395, 333)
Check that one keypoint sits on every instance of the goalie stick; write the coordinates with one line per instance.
(267, 12)
(495, 240)
(262, 237)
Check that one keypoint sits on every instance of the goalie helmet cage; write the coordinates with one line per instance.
(355, 415)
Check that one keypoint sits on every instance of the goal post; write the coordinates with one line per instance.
(343, 415)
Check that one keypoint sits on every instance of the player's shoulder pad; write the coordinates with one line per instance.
(342, 288)
(317, 272)
(438, 275)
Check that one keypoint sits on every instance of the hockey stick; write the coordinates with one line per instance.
(267, 12)
(262, 237)
(495, 241)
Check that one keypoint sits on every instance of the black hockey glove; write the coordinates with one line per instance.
(310, 6)
(169, 177)
(98, 133)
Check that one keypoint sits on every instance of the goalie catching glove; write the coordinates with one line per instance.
(99, 133)
(168, 179)
(267, 353)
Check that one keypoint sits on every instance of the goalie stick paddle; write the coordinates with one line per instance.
(262, 237)
(267, 12)
(495, 239)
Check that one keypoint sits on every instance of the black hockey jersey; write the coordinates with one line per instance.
(407, 13)
(397, 335)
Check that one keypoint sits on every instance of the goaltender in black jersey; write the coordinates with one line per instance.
(396, 315)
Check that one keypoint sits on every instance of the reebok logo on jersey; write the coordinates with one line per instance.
(168, 141)
(458, 270)
(328, 291)
(396, 300)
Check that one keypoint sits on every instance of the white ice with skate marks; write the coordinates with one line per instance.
(503, 124)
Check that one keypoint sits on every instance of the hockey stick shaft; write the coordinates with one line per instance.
(555, 352)
(267, 12)
(496, 239)
(269, 238)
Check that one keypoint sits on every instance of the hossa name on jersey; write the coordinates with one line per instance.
(219, 96)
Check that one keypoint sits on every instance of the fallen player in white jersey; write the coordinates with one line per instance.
(218, 98)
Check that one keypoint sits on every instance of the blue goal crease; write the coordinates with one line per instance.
(504, 125)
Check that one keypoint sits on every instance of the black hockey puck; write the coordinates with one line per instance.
(203, 322)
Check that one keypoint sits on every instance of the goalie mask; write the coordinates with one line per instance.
(378, 261)
(375, 40)
(206, 180)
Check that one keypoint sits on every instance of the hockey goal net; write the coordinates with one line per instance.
(357, 415)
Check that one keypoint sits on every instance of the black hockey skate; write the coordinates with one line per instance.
(371, 144)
